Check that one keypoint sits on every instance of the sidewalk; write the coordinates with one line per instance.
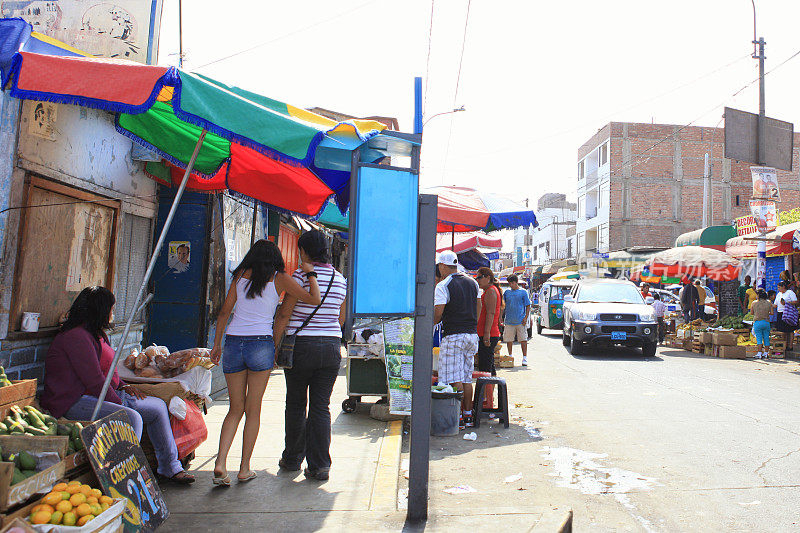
(367, 489)
(361, 491)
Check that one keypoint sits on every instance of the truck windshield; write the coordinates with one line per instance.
(559, 292)
(610, 292)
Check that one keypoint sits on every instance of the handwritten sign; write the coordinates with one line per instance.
(398, 337)
(746, 225)
(122, 469)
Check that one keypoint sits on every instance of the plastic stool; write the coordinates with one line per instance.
(502, 396)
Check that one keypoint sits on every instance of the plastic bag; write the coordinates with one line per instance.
(177, 408)
(190, 432)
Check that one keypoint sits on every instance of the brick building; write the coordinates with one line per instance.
(641, 185)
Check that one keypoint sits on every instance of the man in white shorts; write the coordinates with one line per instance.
(457, 305)
(517, 304)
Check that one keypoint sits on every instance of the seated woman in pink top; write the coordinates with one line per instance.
(76, 366)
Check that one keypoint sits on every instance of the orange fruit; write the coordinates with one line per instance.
(74, 482)
(96, 509)
(103, 506)
(40, 517)
(77, 499)
(82, 520)
(106, 500)
(86, 490)
(91, 499)
(65, 495)
(74, 489)
(83, 509)
(36, 508)
(52, 499)
(97, 493)
(64, 506)
(60, 487)
(69, 519)
(56, 517)
(46, 508)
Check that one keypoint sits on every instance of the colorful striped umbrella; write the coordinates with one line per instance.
(462, 209)
(257, 146)
(468, 241)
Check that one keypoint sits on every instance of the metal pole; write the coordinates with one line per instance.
(419, 455)
(355, 159)
(762, 138)
(180, 33)
(255, 220)
(148, 273)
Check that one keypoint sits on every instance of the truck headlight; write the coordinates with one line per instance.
(584, 315)
(647, 317)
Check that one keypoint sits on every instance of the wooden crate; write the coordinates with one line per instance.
(21, 393)
(698, 347)
(11, 495)
(504, 361)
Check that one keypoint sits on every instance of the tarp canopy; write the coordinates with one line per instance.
(694, 261)
(252, 141)
(625, 259)
(467, 241)
(332, 218)
(779, 242)
(462, 209)
(710, 237)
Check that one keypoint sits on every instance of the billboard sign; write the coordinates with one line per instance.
(741, 139)
(745, 225)
(765, 215)
(765, 183)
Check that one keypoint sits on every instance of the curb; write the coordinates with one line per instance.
(384, 488)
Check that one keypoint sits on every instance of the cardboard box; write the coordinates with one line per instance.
(732, 352)
(687, 345)
(709, 350)
(725, 338)
(707, 337)
(751, 351)
(504, 361)
(43, 481)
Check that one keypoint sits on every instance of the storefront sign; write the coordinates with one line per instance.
(122, 469)
(765, 183)
(765, 215)
(398, 338)
(745, 225)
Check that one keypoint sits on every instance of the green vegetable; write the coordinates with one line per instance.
(26, 461)
(29, 473)
(18, 476)
(33, 417)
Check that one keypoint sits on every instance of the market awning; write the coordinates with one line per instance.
(467, 241)
(462, 209)
(165, 109)
(332, 218)
(695, 261)
(625, 259)
(779, 242)
(711, 237)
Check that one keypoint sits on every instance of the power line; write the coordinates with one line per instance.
(455, 94)
(428, 61)
(285, 35)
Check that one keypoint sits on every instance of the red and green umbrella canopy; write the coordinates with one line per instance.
(694, 261)
(462, 209)
(255, 145)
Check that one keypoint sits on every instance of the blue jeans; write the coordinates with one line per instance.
(151, 411)
(248, 352)
(761, 331)
(309, 383)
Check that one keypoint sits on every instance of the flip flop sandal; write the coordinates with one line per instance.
(251, 476)
(222, 481)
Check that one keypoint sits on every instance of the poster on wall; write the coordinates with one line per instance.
(398, 338)
(120, 29)
(765, 215)
(765, 183)
(745, 225)
(178, 256)
(42, 120)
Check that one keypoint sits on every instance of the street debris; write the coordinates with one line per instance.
(514, 478)
(581, 470)
(754, 502)
(471, 436)
(460, 489)
(402, 499)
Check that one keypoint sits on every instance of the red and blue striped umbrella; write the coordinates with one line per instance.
(463, 209)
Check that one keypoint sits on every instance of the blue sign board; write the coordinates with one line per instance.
(598, 255)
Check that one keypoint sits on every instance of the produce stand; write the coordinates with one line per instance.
(365, 370)
(727, 338)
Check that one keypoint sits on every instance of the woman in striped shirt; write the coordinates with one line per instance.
(317, 358)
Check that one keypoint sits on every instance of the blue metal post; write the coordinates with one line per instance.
(418, 105)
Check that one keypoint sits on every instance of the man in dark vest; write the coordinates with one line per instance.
(457, 306)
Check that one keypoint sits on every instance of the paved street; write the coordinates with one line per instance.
(677, 442)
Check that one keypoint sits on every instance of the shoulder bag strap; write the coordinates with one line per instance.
(314, 312)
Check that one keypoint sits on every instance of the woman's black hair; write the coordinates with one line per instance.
(762, 294)
(486, 271)
(263, 260)
(91, 310)
(315, 245)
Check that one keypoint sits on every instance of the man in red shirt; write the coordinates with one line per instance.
(489, 320)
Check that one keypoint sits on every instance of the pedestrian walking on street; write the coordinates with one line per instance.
(456, 305)
(761, 309)
(249, 352)
(317, 359)
(660, 309)
(517, 305)
(689, 301)
(489, 320)
(786, 306)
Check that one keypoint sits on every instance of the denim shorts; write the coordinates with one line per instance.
(248, 352)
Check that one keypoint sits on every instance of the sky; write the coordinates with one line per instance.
(537, 79)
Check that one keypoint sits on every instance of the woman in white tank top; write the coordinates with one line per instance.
(249, 353)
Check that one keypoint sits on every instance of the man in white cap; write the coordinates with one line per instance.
(457, 306)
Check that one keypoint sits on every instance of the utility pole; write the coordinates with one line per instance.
(707, 191)
(180, 33)
(527, 238)
(758, 53)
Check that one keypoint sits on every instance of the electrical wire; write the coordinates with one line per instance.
(289, 34)
(428, 62)
(98, 201)
(455, 94)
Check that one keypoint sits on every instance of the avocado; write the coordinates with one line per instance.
(26, 461)
(18, 476)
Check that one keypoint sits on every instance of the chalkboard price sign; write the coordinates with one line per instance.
(122, 469)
